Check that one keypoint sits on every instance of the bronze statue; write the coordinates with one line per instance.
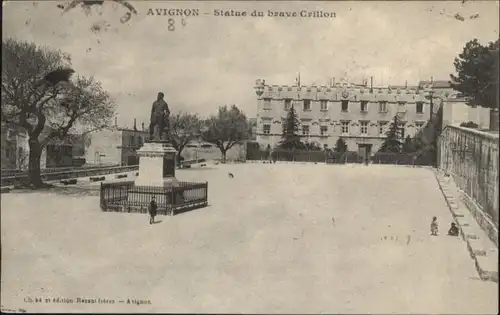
(159, 117)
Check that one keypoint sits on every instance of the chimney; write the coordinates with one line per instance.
(406, 84)
(371, 84)
(135, 125)
(143, 126)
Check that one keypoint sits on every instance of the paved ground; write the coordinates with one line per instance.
(266, 244)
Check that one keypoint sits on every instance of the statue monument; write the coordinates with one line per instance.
(159, 126)
(157, 157)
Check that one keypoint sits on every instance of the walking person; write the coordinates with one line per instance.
(152, 210)
(434, 227)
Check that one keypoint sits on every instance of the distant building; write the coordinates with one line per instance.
(357, 113)
(456, 111)
(15, 149)
(116, 146)
(441, 88)
(198, 149)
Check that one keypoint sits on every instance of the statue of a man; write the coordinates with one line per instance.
(159, 117)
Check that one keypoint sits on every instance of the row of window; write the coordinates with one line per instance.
(345, 128)
(344, 105)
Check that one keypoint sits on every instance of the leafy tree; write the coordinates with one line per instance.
(38, 94)
(392, 142)
(477, 73)
(312, 146)
(409, 145)
(340, 146)
(184, 128)
(227, 128)
(290, 138)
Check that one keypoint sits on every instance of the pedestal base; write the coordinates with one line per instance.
(156, 165)
(156, 176)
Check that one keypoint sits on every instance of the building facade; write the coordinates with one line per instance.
(115, 146)
(15, 149)
(357, 113)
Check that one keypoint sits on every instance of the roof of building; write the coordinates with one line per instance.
(403, 87)
(131, 130)
(352, 93)
(438, 84)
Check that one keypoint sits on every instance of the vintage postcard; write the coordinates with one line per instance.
(266, 157)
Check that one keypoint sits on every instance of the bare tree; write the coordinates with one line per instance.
(227, 128)
(39, 97)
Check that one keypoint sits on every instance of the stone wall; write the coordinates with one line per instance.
(471, 158)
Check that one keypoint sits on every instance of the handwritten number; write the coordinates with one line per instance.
(126, 17)
(183, 21)
(171, 24)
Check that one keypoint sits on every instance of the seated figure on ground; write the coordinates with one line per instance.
(453, 231)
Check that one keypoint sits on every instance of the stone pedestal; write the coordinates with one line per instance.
(156, 169)
(157, 163)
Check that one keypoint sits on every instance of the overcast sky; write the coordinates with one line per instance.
(213, 61)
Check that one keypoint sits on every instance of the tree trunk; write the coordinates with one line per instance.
(178, 160)
(34, 163)
(223, 155)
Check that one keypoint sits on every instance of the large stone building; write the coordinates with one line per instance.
(116, 145)
(358, 113)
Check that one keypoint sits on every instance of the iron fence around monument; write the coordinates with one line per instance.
(127, 197)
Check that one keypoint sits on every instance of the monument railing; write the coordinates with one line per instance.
(74, 173)
(126, 197)
(471, 158)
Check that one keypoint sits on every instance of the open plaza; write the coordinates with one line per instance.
(276, 238)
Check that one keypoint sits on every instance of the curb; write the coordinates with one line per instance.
(486, 268)
(5, 189)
